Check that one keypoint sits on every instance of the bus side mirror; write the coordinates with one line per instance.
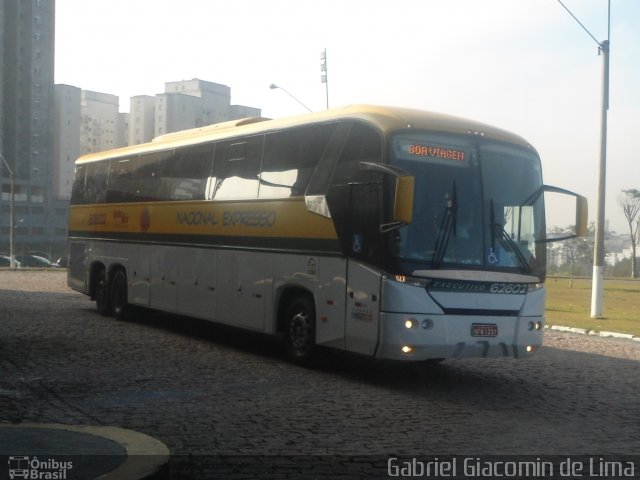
(403, 191)
(582, 213)
(560, 211)
(403, 199)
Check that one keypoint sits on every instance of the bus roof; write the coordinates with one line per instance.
(386, 119)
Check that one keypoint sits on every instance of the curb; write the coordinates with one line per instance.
(585, 331)
(145, 456)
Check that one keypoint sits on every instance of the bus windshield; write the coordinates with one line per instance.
(471, 204)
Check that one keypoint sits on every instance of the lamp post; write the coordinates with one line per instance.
(324, 74)
(273, 86)
(12, 260)
(597, 286)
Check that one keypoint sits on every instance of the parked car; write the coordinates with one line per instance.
(34, 261)
(5, 261)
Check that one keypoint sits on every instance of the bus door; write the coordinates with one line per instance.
(363, 308)
(363, 280)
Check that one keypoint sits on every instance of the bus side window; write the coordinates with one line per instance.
(354, 194)
(364, 145)
(77, 194)
(290, 158)
(148, 174)
(121, 185)
(187, 172)
(323, 172)
(236, 167)
(95, 189)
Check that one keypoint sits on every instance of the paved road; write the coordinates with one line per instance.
(206, 390)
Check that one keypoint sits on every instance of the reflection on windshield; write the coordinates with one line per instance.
(469, 207)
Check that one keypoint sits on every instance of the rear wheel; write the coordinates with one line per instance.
(103, 305)
(118, 294)
(300, 330)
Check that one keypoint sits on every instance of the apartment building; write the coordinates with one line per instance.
(26, 127)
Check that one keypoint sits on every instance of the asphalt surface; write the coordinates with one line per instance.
(213, 394)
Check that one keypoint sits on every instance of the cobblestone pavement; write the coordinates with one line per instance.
(209, 390)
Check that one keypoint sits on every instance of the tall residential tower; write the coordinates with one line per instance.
(27, 39)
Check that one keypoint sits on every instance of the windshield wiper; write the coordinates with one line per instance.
(497, 230)
(447, 226)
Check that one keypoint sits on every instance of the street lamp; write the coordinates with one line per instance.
(324, 74)
(597, 285)
(12, 260)
(273, 86)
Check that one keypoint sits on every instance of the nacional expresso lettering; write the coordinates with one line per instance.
(229, 219)
(196, 217)
(249, 219)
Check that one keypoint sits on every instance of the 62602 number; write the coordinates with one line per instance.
(509, 288)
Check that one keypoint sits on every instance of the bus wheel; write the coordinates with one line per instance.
(300, 330)
(118, 294)
(102, 294)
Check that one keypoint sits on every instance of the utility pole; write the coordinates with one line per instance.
(324, 74)
(597, 286)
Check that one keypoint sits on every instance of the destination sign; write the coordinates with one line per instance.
(436, 152)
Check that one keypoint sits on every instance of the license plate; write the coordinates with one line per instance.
(484, 330)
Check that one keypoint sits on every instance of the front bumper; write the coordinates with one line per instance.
(450, 336)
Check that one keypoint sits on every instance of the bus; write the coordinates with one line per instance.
(390, 232)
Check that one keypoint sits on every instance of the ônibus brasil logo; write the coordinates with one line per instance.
(33, 468)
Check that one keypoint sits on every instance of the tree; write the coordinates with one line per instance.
(576, 252)
(630, 203)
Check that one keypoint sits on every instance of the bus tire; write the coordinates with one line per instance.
(300, 330)
(103, 305)
(118, 294)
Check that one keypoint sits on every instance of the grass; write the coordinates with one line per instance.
(571, 307)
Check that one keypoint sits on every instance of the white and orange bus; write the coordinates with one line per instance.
(390, 232)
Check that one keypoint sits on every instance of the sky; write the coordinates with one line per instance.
(522, 65)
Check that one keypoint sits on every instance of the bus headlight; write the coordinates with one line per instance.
(407, 349)
(410, 323)
(537, 326)
(532, 287)
(415, 281)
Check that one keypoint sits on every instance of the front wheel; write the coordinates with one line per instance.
(118, 294)
(300, 330)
